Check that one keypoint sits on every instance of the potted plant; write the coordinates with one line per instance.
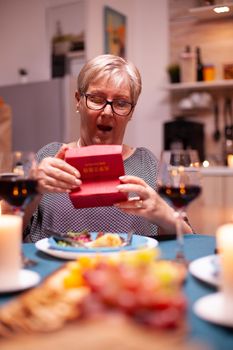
(173, 71)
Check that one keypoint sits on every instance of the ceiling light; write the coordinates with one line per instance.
(221, 9)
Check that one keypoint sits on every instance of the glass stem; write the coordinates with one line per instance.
(26, 262)
(180, 255)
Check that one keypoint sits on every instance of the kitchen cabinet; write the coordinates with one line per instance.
(214, 207)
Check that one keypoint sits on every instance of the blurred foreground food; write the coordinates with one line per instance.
(128, 296)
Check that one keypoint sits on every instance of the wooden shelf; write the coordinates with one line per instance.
(206, 12)
(202, 85)
(75, 54)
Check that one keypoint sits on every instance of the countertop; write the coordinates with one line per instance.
(217, 171)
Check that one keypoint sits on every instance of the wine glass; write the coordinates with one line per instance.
(18, 185)
(179, 184)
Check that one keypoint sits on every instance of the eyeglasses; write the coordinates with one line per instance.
(119, 107)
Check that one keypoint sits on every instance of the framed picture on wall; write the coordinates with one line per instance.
(114, 32)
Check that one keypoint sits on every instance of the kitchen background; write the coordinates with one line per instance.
(213, 35)
(43, 109)
(25, 37)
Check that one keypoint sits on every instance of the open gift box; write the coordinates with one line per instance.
(100, 167)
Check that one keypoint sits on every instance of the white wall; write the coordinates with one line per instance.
(26, 33)
(151, 54)
(23, 40)
(147, 47)
(24, 37)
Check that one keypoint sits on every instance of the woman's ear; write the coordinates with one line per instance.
(77, 96)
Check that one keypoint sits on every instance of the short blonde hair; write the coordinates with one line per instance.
(113, 67)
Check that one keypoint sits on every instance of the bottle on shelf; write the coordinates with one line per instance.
(199, 65)
(187, 65)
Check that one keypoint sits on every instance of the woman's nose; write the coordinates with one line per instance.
(108, 110)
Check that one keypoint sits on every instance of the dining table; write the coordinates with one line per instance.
(214, 336)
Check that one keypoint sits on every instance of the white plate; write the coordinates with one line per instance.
(43, 245)
(27, 279)
(205, 269)
(211, 308)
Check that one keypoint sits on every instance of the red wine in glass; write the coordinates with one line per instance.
(179, 184)
(180, 197)
(17, 191)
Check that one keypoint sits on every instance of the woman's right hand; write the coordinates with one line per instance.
(149, 204)
(55, 175)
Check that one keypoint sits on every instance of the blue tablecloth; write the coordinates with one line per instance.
(196, 246)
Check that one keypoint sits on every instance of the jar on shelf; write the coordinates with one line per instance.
(208, 72)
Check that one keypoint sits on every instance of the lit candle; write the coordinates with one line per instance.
(224, 236)
(230, 160)
(10, 249)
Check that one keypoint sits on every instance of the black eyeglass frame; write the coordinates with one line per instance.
(107, 102)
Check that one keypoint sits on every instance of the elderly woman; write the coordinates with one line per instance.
(108, 91)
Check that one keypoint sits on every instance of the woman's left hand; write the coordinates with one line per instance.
(148, 204)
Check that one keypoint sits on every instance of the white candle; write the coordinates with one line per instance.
(230, 160)
(10, 249)
(224, 236)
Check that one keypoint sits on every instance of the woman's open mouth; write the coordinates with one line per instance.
(104, 128)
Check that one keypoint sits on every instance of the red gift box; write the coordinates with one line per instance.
(100, 167)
